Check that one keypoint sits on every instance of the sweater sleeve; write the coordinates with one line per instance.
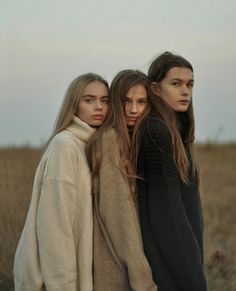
(55, 217)
(119, 218)
(169, 223)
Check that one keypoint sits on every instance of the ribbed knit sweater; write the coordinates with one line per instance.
(170, 214)
(119, 260)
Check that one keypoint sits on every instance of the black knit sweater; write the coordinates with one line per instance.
(170, 213)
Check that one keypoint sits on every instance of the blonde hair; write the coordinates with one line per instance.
(71, 100)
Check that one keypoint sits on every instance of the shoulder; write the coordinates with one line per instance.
(109, 136)
(109, 139)
(62, 157)
(154, 129)
(154, 124)
(63, 143)
(110, 149)
(64, 138)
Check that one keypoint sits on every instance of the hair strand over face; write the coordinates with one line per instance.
(120, 85)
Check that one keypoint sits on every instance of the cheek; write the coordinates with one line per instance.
(84, 109)
(169, 95)
(105, 109)
(142, 108)
(126, 109)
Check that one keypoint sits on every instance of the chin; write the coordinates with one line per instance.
(183, 109)
(131, 124)
(95, 124)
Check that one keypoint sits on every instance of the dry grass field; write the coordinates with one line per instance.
(218, 187)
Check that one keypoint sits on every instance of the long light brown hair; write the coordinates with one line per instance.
(115, 120)
(71, 100)
(181, 147)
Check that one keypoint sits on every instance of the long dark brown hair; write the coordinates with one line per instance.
(181, 146)
(115, 120)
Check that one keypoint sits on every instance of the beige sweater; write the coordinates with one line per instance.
(119, 261)
(55, 249)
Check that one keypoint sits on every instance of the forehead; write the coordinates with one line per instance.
(180, 73)
(95, 88)
(138, 89)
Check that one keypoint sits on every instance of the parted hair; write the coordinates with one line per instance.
(71, 100)
(115, 120)
(156, 73)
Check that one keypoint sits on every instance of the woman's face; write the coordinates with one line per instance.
(93, 105)
(176, 88)
(135, 104)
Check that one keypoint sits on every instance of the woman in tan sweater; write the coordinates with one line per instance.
(55, 249)
(119, 261)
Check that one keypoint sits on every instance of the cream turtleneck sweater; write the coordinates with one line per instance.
(55, 249)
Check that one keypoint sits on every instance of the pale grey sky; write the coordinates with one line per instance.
(45, 44)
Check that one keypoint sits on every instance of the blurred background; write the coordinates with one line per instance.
(45, 45)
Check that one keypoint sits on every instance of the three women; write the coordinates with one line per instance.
(57, 245)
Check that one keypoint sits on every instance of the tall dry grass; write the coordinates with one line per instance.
(17, 168)
(218, 187)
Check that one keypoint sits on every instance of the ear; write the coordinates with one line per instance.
(155, 88)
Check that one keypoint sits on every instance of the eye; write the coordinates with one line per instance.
(176, 84)
(88, 100)
(142, 101)
(190, 85)
(105, 101)
(127, 100)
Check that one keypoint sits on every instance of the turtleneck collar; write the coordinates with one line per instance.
(80, 129)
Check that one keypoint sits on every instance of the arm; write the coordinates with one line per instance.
(55, 215)
(169, 223)
(119, 220)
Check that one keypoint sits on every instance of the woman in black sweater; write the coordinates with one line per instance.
(168, 192)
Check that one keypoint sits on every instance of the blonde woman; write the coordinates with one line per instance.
(55, 249)
(119, 260)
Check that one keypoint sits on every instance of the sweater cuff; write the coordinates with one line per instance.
(68, 287)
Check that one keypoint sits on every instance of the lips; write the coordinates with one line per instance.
(98, 117)
(131, 118)
(184, 101)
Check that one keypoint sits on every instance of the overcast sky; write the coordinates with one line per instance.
(45, 44)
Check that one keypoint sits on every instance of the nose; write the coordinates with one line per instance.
(133, 107)
(98, 105)
(185, 90)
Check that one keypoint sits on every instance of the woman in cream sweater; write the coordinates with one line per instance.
(55, 249)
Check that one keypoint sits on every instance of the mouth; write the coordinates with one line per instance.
(131, 118)
(98, 117)
(184, 101)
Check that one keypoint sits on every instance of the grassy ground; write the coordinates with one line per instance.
(218, 187)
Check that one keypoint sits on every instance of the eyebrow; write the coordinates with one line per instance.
(181, 80)
(144, 97)
(94, 96)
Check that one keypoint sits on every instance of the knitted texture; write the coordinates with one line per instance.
(119, 260)
(170, 214)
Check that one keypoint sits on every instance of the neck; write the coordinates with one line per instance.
(183, 122)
